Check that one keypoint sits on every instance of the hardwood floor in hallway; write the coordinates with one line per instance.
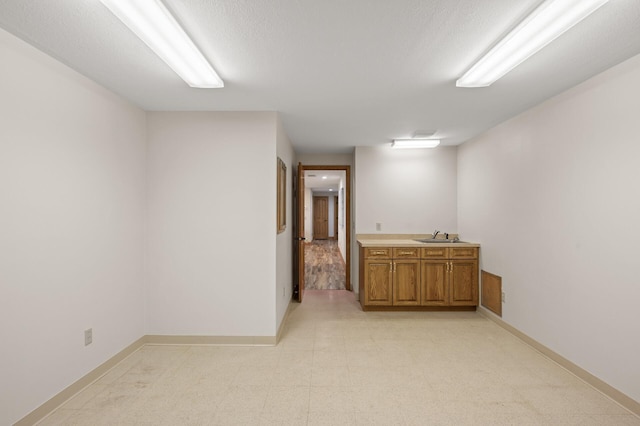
(324, 267)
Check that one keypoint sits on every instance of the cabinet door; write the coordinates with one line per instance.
(434, 283)
(464, 282)
(406, 282)
(377, 282)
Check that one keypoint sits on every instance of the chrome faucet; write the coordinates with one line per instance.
(435, 234)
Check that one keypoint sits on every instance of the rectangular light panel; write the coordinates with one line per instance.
(414, 143)
(153, 23)
(550, 20)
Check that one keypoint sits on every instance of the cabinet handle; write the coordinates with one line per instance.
(376, 252)
(405, 252)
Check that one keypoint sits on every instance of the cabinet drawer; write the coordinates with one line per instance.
(406, 252)
(435, 253)
(377, 252)
(463, 253)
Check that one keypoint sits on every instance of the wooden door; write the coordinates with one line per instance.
(406, 282)
(464, 282)
(434, 283)
(377, 278)
(298, 235)
(320, 218)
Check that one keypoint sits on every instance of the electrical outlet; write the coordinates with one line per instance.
(378, 227)
(504, 298)
(88, 336)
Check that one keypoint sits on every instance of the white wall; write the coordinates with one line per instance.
(308, 215)
(553, 197)
(406, 190)
(325, 159)
(211, 259)
(284, 240)
(72, 159)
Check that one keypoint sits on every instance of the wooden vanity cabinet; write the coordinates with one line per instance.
(463, 285)
(449, 276)
(406, 276)
(435, 283)
(392, 277)
(418, 277)
(376, 269)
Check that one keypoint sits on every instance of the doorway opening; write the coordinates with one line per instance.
(322, 229)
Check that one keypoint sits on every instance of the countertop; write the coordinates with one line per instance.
(395, 240)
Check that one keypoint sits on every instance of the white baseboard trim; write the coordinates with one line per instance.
(601, 386)
(70, 391)
(157, 339)
(284, 321)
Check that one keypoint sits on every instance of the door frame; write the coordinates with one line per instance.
(347, 218)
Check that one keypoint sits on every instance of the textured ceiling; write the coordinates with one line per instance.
(341, 73)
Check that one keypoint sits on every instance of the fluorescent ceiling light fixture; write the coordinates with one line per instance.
(547, 22)
(414, 143)
(153, 23)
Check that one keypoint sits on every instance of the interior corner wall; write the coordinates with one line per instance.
(552, 196)
(72, 184)
(284, 240)
(211, 247)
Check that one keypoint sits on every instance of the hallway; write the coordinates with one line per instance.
(324, 268)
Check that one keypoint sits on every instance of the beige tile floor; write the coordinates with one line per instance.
(337, 365)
